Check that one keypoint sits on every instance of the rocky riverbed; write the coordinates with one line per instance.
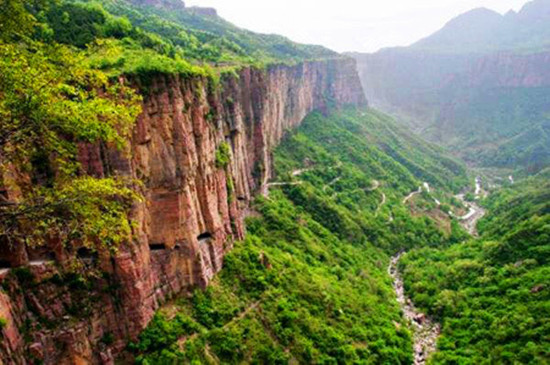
(425, 330)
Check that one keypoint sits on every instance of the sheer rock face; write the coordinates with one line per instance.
(505, 70)
(191, 214)
(418, 73)
(211, 12)
(161, 4)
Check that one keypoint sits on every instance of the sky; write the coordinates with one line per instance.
(349, 25)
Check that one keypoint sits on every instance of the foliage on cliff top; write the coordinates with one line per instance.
(491, 294)
(50, 102)
(135, 39)
(309, 284)
(211, 38)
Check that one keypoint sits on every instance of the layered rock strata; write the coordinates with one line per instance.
(193, 210)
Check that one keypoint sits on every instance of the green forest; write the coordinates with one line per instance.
(491, 294)
(352, 188)
(59, 87)
(310, 283)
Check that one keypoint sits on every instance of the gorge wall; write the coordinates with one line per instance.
(489, 108)
(194, 208)
(414, 81)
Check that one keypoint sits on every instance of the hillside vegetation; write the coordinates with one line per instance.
(131, 37)
(59, 59)
(50, 101)
(492, 294)
(310, 282)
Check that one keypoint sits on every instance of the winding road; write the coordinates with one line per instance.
(475, 213)
(470, 219)
(266, 185)
(382, 202)
(411, 195)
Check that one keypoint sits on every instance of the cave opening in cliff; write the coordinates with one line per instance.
(157, 246)
(85, 254)
(5, 264)
(203, 237)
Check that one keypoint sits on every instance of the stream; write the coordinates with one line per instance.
(425, 330)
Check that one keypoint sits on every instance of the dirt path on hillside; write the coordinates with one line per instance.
(301, 171)
(425, 330)
(411, 195)
(265, 189)
(380, 205)
(334, 181)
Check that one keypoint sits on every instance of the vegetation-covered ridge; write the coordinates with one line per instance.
(132, 37)
(50, 102)
(57, 91)
(492, 294)
(310, 283)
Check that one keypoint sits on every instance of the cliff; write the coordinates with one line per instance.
(201, 152)
(478, 86)
(490, 108)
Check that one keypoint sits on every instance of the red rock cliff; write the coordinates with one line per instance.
(192, 214)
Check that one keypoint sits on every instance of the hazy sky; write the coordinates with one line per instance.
(349, 25)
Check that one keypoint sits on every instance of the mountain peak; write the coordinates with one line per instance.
(473, 20)
(475, 15)
(535, 11)
(466, 30)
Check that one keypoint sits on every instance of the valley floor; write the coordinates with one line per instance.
(319, 278)
(425, 330)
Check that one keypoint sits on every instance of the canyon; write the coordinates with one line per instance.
(478, 86)
(193, 208)
(177, 189)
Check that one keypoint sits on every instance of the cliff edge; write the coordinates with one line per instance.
(201, 152)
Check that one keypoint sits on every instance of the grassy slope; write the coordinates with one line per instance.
(501, 127)
(216, 31)
(309, 283)
(122, 37)
(492, 294)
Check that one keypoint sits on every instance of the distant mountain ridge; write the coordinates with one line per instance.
(479, 86)
(483, 30)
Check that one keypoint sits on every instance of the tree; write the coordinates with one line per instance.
(14, 19)
(50, 101)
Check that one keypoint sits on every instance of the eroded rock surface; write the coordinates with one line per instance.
(192, 213)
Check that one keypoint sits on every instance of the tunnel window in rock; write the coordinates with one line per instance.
(204, 237)
(157, 246)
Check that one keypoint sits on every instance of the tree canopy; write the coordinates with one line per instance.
(51, 100)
